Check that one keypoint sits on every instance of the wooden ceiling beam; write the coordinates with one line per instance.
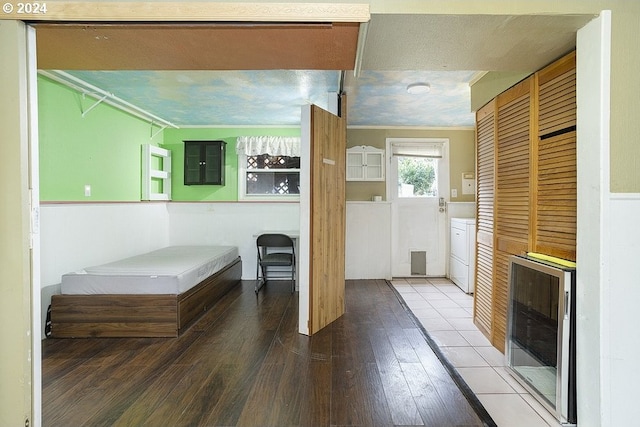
(204, 46)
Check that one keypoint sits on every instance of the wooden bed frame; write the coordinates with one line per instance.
(90, 316)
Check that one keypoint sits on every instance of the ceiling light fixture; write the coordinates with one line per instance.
(417, 88)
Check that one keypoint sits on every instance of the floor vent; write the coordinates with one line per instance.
(419, 263)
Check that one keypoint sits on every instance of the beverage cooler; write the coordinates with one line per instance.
(540, 343)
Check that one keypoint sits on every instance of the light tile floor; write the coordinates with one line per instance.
(446, 314)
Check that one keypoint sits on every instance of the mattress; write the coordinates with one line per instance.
(171, 270)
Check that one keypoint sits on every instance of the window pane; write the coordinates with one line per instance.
(265, 161)
(417, 177)
(273, 183)
(191, 164)
(213, 171)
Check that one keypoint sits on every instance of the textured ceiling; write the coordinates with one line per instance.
(445, 51)
(469, 42)
(380, 98)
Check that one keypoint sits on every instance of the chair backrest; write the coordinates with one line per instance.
(274, 241)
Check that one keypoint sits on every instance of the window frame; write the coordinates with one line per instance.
(242, 184)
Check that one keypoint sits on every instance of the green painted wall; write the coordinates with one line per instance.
(101, 150)
(173, 140)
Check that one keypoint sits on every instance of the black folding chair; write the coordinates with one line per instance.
(271, 254)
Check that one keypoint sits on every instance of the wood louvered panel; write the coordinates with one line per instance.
(512, 196)
(485, 169)
(557, 95)
(483, 292)
(500, 302)
(485, 172)
(556, 194)
(558, 103)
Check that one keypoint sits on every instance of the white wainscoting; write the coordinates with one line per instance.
(230, 224)
(620, 299)
(74, 236)
(77, 235)
(368, 240)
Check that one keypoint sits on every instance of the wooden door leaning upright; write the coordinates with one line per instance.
(327, 222)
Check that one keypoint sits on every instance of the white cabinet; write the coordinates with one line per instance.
(462, 259)
(365, 163)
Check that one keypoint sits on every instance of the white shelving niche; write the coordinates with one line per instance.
(156, 173)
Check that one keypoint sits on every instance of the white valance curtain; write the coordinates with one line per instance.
(271, 145)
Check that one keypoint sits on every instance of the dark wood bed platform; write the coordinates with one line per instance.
(118, 315)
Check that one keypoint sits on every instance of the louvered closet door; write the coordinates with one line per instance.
(483, 293)
(557, 186)
(555, 225)
(557, 96)
(512, 194)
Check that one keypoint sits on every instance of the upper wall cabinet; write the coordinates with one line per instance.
(204, 162)
(365, 163)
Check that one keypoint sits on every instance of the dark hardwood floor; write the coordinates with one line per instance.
(244, 364)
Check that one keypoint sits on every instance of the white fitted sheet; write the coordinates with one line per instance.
(171, 270)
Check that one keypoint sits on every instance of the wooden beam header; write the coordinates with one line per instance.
(183, 11)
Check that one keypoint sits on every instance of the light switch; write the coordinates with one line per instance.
(87, 190)
(454, 193)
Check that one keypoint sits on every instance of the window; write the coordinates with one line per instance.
(418, 163)
(269, 167)
(270, 176)
(417, 177)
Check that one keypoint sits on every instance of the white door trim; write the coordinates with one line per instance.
(597, 389)
(37, 325)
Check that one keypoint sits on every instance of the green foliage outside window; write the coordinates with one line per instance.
(418, 172)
